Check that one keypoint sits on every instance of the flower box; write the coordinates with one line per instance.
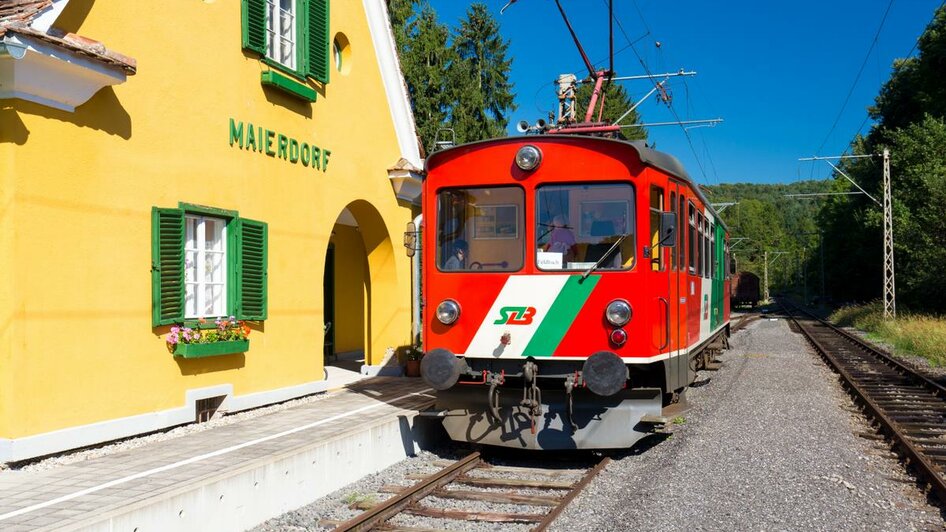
(228, 347)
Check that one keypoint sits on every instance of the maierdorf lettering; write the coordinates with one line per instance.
(274, 144)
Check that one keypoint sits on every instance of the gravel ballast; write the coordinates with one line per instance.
(770, 443)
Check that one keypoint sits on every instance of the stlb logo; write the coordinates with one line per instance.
(515, 316)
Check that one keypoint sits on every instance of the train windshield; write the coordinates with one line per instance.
(480, 229)
(581, 225)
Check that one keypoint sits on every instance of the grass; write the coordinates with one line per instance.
(359, 500)
(914, 334)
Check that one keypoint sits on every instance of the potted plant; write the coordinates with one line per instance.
(414, 356)
(227, 337)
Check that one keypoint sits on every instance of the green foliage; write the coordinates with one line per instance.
(913, 334)
(359, 500)
(479, 77)
(910, 111)
(770, 221)
(616, 103)
(456, 79)
(425, 58)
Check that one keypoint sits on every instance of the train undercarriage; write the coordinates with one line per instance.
(543, 404)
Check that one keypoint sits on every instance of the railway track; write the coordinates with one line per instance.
(906, 407)
(744, 321)
(455, 480)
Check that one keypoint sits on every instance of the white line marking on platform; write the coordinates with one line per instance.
(198, 458)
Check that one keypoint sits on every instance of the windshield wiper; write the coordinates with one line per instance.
(606, 255)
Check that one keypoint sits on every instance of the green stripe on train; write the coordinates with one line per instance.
(560, 316)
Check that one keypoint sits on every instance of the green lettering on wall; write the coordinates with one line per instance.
(251, 137)
(270, 135)
(275, 144)
(282, 147)
(236, 132)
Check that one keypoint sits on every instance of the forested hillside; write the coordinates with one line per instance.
(909, 112)
(769, 218)
(910, 121)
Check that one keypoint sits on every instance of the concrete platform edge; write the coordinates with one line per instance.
(266, 488)
(17, 449)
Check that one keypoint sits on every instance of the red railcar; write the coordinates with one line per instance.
(745, 289)
(571, 285)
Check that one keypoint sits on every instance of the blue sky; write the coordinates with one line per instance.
(776, 72)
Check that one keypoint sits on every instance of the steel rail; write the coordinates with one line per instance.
(744, 321)
(893, 429)
(396, 504)
(576, 489)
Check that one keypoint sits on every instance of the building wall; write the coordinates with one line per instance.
(350, 289)
(76, 342)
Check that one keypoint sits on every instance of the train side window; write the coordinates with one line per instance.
(673, 250)
(700, 245)
(692, 240)
(713, 250)
(706, 247)
(726, 259)
(681, 231)
(657, 259)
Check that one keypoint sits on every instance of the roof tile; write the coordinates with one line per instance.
(16, 16)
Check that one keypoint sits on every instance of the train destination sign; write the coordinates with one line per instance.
(277, 145)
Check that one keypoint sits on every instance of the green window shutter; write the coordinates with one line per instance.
(318, 48)
(167, 266)
(254, 25)
(251, 269)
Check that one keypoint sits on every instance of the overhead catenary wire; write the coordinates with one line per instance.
(909, 54)
(857, 78)
(669, 104)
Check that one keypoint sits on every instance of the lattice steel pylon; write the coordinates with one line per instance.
(890, 292)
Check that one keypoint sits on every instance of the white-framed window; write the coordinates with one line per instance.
(281, 32)
(205, 267)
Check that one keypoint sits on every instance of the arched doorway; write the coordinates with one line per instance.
(366, 308)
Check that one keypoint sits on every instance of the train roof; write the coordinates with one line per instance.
(650, 157)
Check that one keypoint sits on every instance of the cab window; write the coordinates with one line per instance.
(578, 226)
(480, 229)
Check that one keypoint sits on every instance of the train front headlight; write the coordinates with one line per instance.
(528, 157)
(618, 313)
(448, 311)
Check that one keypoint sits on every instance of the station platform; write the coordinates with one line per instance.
(230, 477)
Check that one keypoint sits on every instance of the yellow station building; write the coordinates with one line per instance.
(162, 162)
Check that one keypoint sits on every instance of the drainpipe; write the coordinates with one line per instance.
(416, 291)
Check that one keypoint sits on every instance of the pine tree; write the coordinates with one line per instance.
(425, 59)
(479, 78)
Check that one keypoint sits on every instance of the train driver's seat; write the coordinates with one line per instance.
(605, 230)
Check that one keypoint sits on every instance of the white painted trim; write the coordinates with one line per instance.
(632, 360)
(49, 75)
(16, 449)
(385, 49)
(48, 17)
